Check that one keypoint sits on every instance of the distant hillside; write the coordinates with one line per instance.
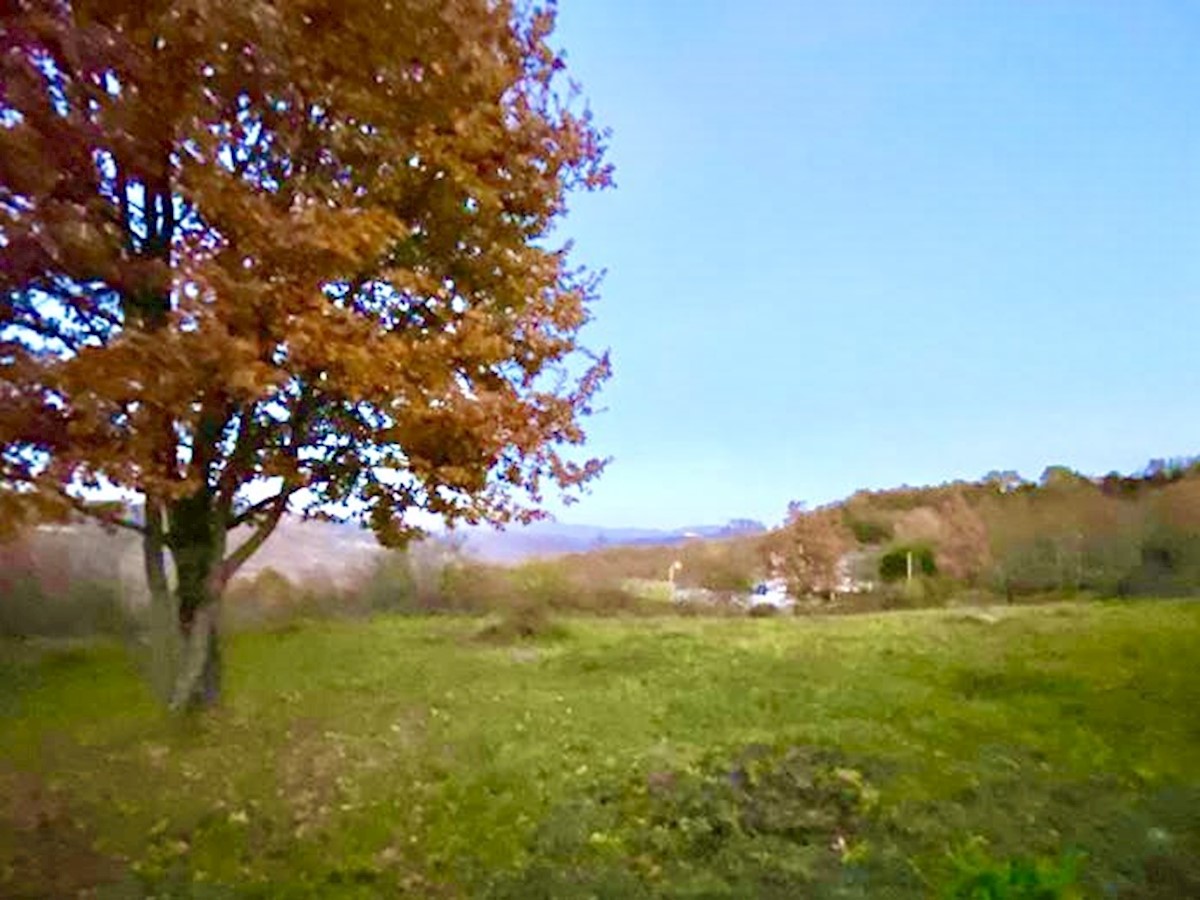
(323, 551)
(557, 538)
(309, 547)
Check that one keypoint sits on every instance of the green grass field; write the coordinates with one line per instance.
(890, 755)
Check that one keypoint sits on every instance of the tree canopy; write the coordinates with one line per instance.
(268, 254)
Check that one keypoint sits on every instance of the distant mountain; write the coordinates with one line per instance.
(339, 551)
(556, 538)
(343, 553)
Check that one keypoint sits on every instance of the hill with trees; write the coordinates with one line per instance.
(1113, 535)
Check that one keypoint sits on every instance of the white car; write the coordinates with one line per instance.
(771, 593)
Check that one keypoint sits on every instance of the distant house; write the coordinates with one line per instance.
(856, 573)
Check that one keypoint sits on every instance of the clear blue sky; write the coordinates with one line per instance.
(871, 243)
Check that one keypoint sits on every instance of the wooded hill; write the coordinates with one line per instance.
(1066, 532)
(1112, 535)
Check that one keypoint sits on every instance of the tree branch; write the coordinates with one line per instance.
(243, 450)
(210, 425)
(240, 167)
(249, 547)
(99, 513)
(248, 514)
(153, 545)
(45, 330)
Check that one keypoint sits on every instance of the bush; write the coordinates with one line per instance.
(1169, 566)
(870, 531)
(979, 877)
(557, 585)
(547, 584)
(524, 622)
(920, 593)
(473, 587)
(392, 586)
(893, 565)
(81, 609)
(611, 599)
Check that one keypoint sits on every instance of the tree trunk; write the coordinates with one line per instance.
(153, 545)
(196, 537)
(162, 663)
(198, 684)
(198, 545)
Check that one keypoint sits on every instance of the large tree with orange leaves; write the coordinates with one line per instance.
(809, 548)
(261, 255)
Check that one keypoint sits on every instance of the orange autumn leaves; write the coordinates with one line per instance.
(266, 243)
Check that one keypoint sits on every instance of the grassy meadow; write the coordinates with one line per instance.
(921, 754)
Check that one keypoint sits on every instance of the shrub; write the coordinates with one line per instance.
(523, 622)
(921, 592)
(979, 877)
(271, 600)
(611, 599)
(467, 586)
(80, 609)
(546, 584)
(893, 565)
(870, 531)
(392, 586)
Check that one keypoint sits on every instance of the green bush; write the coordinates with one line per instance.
(920, 593)
(270, 599)
(523, 622)
(979, 877)
(392, 586)
(473, 587)
(1168, 565)
(82, 609)
(546, 583)
(870, 531)
(893, 565)
(558, 586)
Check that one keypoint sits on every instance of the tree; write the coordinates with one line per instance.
(811, 546)
(964, 548)
(903, 562)
(1003, 481)
(258, 256)
(1061, 478)
(954, 529)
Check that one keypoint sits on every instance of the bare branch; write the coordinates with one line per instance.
(250, 513)
(46, 330)
(101, 514)
(249, 547)
(243, 449)
(153, 546)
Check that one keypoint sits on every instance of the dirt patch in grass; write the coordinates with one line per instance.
(44, 850)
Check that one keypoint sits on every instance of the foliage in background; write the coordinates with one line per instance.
(809, 548)
(1071, 536)
(894, 564)
(1065, 534)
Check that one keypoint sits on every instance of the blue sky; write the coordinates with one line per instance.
(864, 244)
